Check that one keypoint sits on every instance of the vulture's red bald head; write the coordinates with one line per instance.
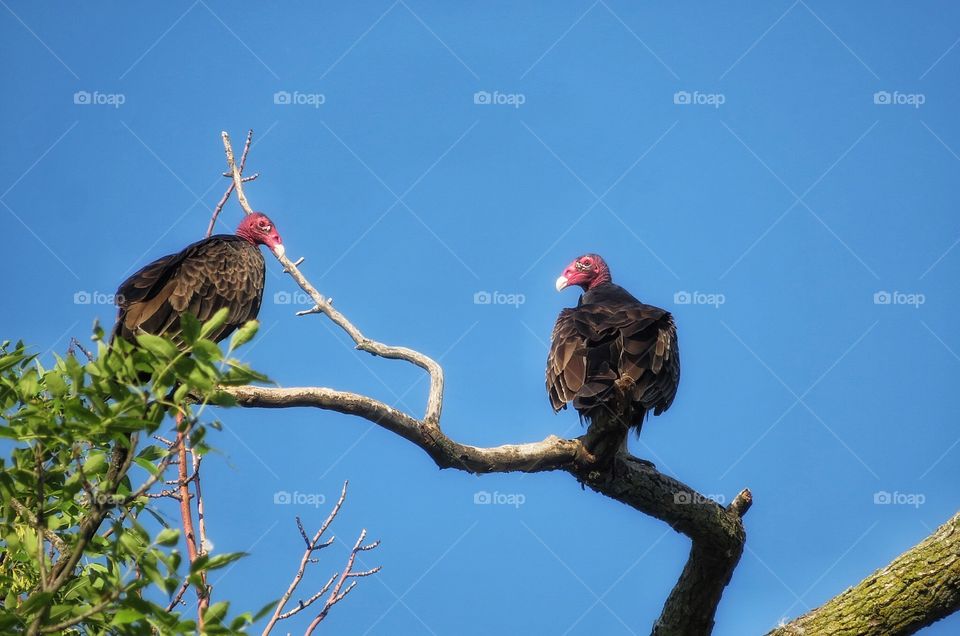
(587, 271)
(260, 230)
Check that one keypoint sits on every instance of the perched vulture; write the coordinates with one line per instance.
(613, 356)
(224, 270)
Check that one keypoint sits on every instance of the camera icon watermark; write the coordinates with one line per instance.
(699, 298)
(296, 98)
(485, 498)
(496, 98)
(913, 299)
(297, 498)
(96, 98)
(896, 98)
(498, 298)
(895, 498)
(696, 98)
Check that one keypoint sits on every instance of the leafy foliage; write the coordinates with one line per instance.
(77, 554)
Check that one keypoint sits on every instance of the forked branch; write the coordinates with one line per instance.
(336, 580)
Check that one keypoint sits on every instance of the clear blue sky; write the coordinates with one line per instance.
(782, 188)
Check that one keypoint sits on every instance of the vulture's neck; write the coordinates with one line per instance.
(246, 237)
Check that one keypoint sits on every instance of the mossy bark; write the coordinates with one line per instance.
(918, 588)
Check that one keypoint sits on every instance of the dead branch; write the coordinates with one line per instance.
(717, 533)
(226, 195)
(337, 594)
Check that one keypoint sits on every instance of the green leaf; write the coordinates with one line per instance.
(29, 383)
(244, 334)
(160, 347)
(189, 327)
(35, 602)
(207, 562)
(216, 612)
(217, 321)
(125, 616)
(168, 537)
(95, 463)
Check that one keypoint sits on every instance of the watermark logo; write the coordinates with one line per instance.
(895, 498)
(498, 298)
(496, 98)
(685, 498)
(899, 298)
(696, 98)
(83, 297)
(896, 98)
(287, 298)
(297, 498)
(485, 498)
(96, 98)
(296, 98)
(699, 298)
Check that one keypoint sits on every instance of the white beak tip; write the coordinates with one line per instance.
(279, 250)
(562, 283)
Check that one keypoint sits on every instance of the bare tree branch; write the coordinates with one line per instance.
(325, 306)
(717, 532)
(336, 595)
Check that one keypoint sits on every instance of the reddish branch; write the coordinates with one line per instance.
(337, 594)
(186, 514)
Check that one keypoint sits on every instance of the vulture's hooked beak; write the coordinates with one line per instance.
(279, 250)
(562, 283)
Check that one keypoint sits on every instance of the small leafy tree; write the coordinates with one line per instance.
(77, 553)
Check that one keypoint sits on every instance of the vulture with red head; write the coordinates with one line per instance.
(224, 270)
(613, 356)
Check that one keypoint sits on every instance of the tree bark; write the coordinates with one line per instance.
(918, 588)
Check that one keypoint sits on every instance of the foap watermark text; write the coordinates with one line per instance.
(913, 299)
(699, 298)
(696, 98)
(896, 498)
(496, 98)
(498, 298)
(896, 98)
(297, 498)
(485, 498)
(296, 98)
(96, 98)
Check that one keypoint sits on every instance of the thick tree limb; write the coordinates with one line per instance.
(918, 588)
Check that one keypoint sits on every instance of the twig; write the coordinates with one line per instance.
(50, 535)
(312, 546)
(76, 344)
(336, 595)
(226, 195)
(95, 609)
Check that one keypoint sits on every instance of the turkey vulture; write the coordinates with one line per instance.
(224, 270)
(613, 356)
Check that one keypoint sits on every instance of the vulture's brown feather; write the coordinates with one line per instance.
(220, 271)
(612, 342)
